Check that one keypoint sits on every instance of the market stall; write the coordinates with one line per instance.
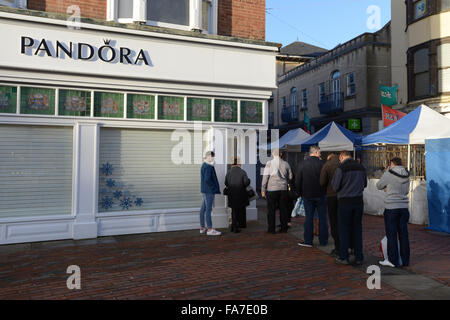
(406, 139)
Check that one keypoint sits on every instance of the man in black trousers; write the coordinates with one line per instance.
(349, 181)
(326, 176)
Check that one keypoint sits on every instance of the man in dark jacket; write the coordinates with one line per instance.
(326, 175)
(349, 181)
(308, 186)
(209, 188)
(237, 182)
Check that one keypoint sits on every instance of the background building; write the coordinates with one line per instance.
(421, 53)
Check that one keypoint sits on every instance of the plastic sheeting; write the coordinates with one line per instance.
(437, 157)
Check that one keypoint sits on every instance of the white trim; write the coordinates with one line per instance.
(168, 25)
(16, 4)
(75, 169)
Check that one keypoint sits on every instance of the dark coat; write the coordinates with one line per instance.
(349, 180)
(237, 181)
(327, 173)
(307, 179)
(209, 182)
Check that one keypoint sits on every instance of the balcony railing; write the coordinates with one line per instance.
(332, 103)
(290, 114)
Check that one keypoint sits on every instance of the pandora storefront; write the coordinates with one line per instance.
(91, 122)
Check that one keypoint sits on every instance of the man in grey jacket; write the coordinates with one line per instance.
(396, 213)
(277, 173)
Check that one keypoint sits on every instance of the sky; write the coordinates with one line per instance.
(324, 23)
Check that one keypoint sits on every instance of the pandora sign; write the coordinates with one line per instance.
(107, 52)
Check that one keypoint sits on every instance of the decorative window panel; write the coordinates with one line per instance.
(109, 105)
(198, 109)
(8, 99)
(251, 112)
(140, 106)
(35, 170)
(225, 110)
(37, 101)
(74, 103)
(170, 108)
(137, 171)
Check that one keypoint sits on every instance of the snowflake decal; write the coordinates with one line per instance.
(126, 203)
(138, 202)
(103, 191)
(106, 203)
(110, 183)
(117, 194)
(107, 169)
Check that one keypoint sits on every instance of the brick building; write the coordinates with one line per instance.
(107, 108)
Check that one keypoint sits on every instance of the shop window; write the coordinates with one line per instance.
(40, 101)
(444, 67)
(351, 84)
(8, 99)
(125, 9)
(170, 108)
(137, 171)
(207, 15)
(108, 105)
(284, 102)
(140, 106)
(420, 8)
(198, 109)
(75, 103)
(225, 110)
(36, 171)
(251, 112)
(14, 3)
(445, 5)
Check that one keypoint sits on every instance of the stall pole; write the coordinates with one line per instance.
(409, 157)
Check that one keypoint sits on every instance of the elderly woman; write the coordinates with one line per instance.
(237, 182)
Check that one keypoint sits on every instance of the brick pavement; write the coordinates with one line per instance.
(182, 265)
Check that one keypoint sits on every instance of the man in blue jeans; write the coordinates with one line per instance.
(308, 186)
(209, 188)
(396, 214)
(349, 181)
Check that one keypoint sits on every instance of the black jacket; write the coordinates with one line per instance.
(307, 180)
(349, 180)
(237, 181)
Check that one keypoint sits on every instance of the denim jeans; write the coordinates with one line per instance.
(207, 203)
(396, 225)
(311, 205)
(350, 224)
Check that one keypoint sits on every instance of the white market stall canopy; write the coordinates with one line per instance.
(418, 125)
(332, 137)
(292, 137)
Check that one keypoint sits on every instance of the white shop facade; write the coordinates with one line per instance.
(92, 121)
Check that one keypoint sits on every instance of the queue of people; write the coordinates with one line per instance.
(332, 188)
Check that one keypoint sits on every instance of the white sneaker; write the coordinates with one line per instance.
(387, 263)
(213, 232)
(202, 231)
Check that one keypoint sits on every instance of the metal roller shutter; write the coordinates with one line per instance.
(35, 170)
(137, 172)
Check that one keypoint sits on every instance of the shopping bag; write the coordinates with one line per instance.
(299, 209)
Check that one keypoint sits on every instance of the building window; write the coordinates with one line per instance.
(322, 93)
(420, 8)
(14, 3)
(445, 5)
(351, 84)
(284, 102)
(294, 96)
(421, 75)
(336, 82)
(174, 11)
(304, 99)
(177, 14)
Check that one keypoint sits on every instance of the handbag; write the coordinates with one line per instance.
(252, 195)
